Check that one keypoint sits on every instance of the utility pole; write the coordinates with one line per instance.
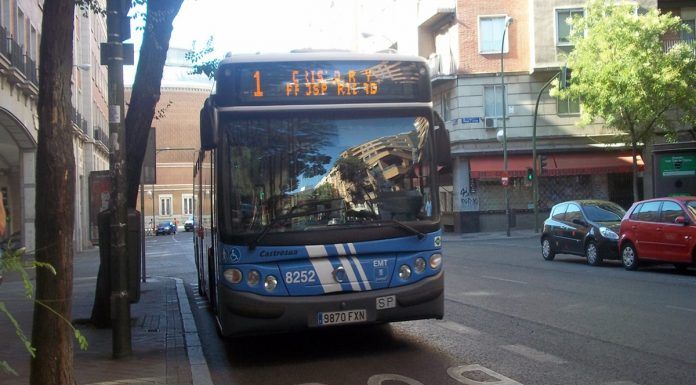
(115, 54)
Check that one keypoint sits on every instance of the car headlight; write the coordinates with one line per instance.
(419, 265)
(608, 233)
(435, 260)
(253, 278)
(233, 275)
(270, 283)
(404, 272)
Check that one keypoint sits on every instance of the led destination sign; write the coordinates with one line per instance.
(300, 82)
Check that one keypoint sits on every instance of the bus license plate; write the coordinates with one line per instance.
(341, 317)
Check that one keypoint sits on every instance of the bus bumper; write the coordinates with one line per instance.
(242, 313)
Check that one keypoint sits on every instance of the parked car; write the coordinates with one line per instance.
(583, 227)
(188, 225)
(166, 227)
(660, 230)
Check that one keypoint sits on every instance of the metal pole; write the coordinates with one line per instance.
(535, 181)
(505, 154)
(120, 303)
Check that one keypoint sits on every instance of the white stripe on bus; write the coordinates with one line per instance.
(340, 249)
(324, 271)
(350, 273)
(351, 247)
(363, 276)
(316, 251)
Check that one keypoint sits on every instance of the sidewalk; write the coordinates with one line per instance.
(166, 347)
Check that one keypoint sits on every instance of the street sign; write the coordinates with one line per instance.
(504, 180)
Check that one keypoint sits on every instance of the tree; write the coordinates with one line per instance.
(55, 178)
(145, 94)
(622, 74)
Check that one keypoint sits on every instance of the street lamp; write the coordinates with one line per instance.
(508, 20)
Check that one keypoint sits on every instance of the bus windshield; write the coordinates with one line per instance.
(290, 173)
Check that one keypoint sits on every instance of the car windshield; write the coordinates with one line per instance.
(295, 174)
(691, 205)
(603, 212)
(163, 224)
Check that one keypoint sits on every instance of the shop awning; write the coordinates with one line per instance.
(487, 167)
(590, 163)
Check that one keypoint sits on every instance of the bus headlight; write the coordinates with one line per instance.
(270, 283)
(419, 265)
(233, 275)
(253, 278)
(435, 261)
(404, 272)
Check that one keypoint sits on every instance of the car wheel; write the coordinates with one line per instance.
(546, 250)
(592, 254)
(629, 257)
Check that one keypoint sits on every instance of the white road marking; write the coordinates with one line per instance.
(457, 373)
(534, 354)
(504, 279)
(457, 327)
(620, 383)
(682, 308)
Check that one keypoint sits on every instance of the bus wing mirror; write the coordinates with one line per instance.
(442, 144)
(207, 128)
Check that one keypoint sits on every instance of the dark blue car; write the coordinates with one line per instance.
(167, 227)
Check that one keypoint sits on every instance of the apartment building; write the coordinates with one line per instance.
(464, 43)
(20, 35)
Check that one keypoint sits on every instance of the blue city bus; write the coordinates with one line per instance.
(317, 192)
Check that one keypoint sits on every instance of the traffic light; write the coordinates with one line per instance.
(564, 78)
(530, 174)
(542, 163)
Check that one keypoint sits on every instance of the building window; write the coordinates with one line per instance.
(187, 204)
(562, 26)
(490, 32)
(689, 35)
(165, 206)
(568, 106)
(5, 14)
(493, 101)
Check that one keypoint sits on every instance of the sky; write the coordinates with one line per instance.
(250, 26)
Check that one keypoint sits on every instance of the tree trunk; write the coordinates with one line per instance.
(55, 179)
(146, 88)
(634, 164)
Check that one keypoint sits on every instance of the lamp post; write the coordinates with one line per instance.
(508, 20)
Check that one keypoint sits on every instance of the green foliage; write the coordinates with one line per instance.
(87, 6)
(12, 261)
(621, 71)
(202, 63)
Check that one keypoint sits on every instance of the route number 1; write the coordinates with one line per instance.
(258, 93)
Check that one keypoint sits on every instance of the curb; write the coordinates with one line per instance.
(200, 373)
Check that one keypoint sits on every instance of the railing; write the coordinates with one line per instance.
(13, 51)
(668, 44)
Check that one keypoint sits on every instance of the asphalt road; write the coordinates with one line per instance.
(511, 318)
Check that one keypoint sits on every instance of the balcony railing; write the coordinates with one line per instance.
(15, 54)
(668, 44)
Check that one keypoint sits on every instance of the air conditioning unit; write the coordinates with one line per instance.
(490, 122)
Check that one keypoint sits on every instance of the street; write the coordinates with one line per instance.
(510, 316)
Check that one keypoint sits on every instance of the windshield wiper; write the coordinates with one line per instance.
(406, 227)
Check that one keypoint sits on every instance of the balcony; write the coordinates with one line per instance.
(19, 68)
(442, 68)
(669, 43)
(432, 13)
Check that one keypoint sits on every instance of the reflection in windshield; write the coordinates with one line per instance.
(294, 174)
(691, 205)
(603, 212)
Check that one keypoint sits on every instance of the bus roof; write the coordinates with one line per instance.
(316, 55)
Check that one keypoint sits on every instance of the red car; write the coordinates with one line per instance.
(659, 230)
